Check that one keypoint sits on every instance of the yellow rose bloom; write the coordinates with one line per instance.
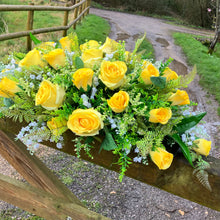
(46, 45)
(112, 74)
(148, 71)
(49, 95)
(179, 98)
(8, 88)
(55, 58)
(57, 125)
(92, 57)
(161, 158)
(160, 115)
(169, 74)
(85, 122)
(119, 101)
(202, 146)
(66, 43)
(83, 78)
(92, 44)
(32, 58)
(109, 46)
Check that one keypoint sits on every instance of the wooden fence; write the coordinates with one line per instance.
(80, 9)
(47, 196)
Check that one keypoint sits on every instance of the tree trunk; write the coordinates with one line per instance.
(217, 28)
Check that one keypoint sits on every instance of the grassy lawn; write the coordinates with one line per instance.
(208, 65)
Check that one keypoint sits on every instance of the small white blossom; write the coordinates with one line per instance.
(94, 90)
(85, 99)
(32, 76)
(136, 150)
(95, 81)
(59, 145)
(137, 159)
(39, 77)
(31, 85)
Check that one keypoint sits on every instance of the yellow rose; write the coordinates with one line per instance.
(49, 95)
(47, 45)
(66, 43)
(112, 74)
(161, 158)
(160, 115)
(179, 98)
(57, 125)
(85, 122)
(109, 46)
(148, 71)
(8, 88)
(55, 58)
(92, 44)
(119, 101)
(169, 74)
(92, 57)
(83, 78)
(202, 146)
(33, 57)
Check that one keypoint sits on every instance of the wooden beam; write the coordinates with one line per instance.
(178, 179)
(42, 203)
(32, 169)
(38, 7)
(30, 22)
(40, 30)
(65, 21)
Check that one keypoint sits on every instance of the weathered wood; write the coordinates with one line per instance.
(80, 11)
(42, 203)
(32, 169)
(75, 15)
(178, 179)
(40, 30)
(217, 29)
(65, 21)
(30, 22)
(38, 7)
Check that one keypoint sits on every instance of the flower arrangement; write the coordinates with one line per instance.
(95, 88)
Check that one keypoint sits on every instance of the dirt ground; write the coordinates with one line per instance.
(99, 188)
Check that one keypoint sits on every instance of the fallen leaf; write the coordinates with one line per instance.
(168, 215)
(181, 212)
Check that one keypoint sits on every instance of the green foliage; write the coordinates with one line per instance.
(189, 122)
(208, 66)
(80, 144)
(183, 147)
(85, 31)
(108, 143)
(201, 173)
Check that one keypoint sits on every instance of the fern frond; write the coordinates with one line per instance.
(202, 176)
(185, 80)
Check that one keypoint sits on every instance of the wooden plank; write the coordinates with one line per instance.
(32, 169)
(40, 30)
(178, 179)
(38, 7)
(42, 203)
(65, 21)
(30, 22)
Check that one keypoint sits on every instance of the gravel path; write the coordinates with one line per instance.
(99, 188)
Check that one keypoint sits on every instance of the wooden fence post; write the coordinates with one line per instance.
(65, 21)
(75, 13)
(30, 22)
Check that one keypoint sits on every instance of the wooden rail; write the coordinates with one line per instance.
(81, 8)
(178, 179)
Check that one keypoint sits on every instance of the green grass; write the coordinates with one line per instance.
(208, 66)
(148, 48)
(93, 28)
